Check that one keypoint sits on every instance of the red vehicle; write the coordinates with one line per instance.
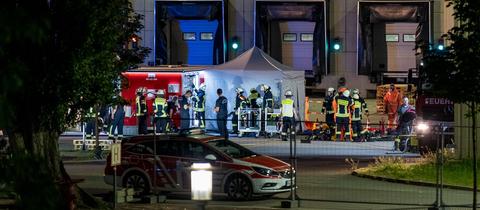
(237, 171)
(172, 79)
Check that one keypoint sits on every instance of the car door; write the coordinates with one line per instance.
(168, 155)
(195, 152)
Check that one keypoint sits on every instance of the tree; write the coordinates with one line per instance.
(455, 72)
(57, 59)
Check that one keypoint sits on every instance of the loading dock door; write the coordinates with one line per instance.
(400, 39)
(297, 44)
(192, 41)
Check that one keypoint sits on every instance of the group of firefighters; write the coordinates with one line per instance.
(343, 111)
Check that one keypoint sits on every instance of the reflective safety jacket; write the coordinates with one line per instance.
(199, 101)
(240, 102)
(90, 113)
(359, 107)
(160, 107)
(327, 105)
(267, 100)
(252, 98)
(141, 106)
(287, 107)
(342, 106)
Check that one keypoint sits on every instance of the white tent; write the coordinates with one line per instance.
(249, 70)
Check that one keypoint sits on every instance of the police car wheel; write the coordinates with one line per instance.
(138, 182)
(239, 188)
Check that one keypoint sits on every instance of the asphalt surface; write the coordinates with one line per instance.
(324, 180)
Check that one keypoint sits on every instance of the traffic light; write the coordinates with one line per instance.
(234, 43)
(336, 45)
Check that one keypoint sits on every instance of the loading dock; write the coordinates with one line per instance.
(387, 32)
(294, 33)
(190, 32)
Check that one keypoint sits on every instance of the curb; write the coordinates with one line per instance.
(411, 182)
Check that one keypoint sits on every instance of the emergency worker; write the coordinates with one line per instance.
(141, 111)
(342, 105)
(240, 102)
(267, 97)
(91, 123)
(327, 108)
(172, 110)
(392, 101)
(222, 113)
(199, 105)
(360, 107)
(252, 99)
(185, 113)
(118, 116)
(160, 112)
(288, 114)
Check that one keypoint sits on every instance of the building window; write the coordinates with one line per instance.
(307, 37)
(391, 37)
(189, 36)
(409, 37)
(289, 37)
(206, 36)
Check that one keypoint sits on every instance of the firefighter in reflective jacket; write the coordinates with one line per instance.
(359, 108)
(252, 100)
(199, 104)
(160, 112)
(267, 97)
(327, 108)
(342, 105)
(288, 114)
(240, 102)
(91, 123)
(141, 111)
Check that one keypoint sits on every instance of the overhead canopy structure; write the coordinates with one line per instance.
(249, 70)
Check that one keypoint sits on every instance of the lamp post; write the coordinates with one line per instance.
(201, 183)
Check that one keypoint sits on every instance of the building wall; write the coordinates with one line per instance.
(343, 24)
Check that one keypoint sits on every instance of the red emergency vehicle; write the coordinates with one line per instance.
(173, 79)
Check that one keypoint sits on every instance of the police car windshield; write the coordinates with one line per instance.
(231, 149)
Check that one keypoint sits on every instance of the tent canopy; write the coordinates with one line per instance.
(248, 71)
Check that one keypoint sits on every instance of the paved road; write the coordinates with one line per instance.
(323, 175)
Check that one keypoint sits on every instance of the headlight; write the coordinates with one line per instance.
(265, 171)
(423, 127)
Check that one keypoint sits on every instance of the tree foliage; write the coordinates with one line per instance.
(455, 72)
(58, 58)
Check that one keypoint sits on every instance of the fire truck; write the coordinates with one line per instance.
(175, 80)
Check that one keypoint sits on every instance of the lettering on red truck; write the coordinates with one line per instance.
(438, 101)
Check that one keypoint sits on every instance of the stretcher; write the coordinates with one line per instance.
(249, 121)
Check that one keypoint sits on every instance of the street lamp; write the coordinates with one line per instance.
(201, 182)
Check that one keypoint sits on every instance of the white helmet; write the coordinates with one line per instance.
(264, 87)
(259, 101)
(288, 93)
(355, 91)
(355, 96)
(405, 100)
(330, 89)
(346, 93)
(203, 86)
(239, 90)
(160, 92)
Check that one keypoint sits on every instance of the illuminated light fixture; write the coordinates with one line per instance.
(336, 45)
(201, 181)
(423, 127)
(235, 43)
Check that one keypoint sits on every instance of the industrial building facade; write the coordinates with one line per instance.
(374, 40)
